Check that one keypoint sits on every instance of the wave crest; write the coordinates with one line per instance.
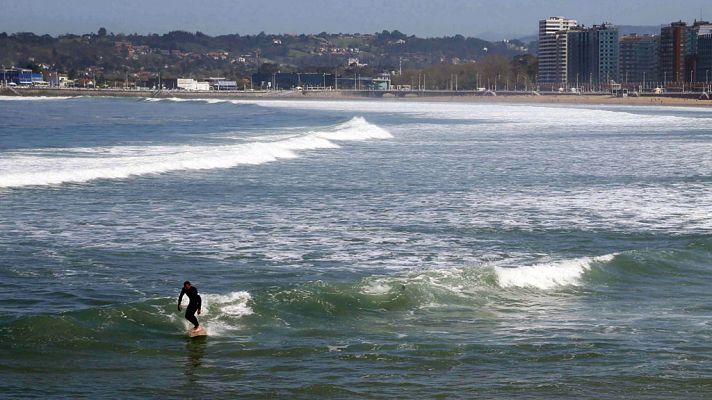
(34, 98)
(77, 165)
(548, 275)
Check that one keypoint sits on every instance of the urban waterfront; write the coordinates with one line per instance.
(355, 249)
(567, 56)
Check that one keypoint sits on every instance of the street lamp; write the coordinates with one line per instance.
(692, 71)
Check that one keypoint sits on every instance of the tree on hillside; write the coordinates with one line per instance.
(269, 68)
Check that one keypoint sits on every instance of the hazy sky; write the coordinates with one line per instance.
(422, 17)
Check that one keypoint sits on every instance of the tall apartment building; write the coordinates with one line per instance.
(639, 58)
(697, 28)
(607, 39)
(704, 58)
(593, 55)
(580, 64)
(694, 71)
(673, 51)
(553, 49)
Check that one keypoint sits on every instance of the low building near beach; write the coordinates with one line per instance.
(192, 84)
(22, 77)
(222, 84)
(292, 80)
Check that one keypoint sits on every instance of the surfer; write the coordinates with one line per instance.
(194, 304)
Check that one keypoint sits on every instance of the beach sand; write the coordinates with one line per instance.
(347, 95)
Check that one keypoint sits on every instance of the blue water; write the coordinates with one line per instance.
(355, 249)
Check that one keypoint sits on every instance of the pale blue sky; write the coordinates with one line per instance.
(422, 18)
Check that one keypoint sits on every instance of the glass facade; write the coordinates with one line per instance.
(593, 55)
(639, 59)
(704, 58)
(21, 76)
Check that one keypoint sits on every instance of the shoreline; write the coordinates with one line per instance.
(679, 100)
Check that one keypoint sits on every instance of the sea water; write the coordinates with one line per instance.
(355, 249)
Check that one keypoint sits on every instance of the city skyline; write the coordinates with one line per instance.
(477, 18)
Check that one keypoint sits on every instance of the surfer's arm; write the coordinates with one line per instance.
(200, 305)
(180, 297)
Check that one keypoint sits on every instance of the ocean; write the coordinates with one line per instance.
(355, 249)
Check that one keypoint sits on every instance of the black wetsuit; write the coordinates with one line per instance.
(193, 305)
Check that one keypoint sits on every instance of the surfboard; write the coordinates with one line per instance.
(201, 331)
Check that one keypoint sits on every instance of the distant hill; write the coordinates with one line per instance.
(529, 38)
(181, 53)
(499, 36)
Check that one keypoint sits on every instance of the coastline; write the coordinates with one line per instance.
(679, 100)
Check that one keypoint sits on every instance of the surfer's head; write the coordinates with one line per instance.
(186, 284)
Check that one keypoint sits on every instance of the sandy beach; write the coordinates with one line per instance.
(687, 100)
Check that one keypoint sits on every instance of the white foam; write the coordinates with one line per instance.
(181, 100)
(677, 209)
(57, 166)
(173, 99)
(33, 98)
(218, 311)
(553, 115)
(235, 304)
(333, 349)
(548, 275)
(356, 129)
(376, 287)
(522, 118)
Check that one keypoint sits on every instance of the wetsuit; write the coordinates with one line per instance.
(193, 305)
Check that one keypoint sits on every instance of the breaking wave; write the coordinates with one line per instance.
(221, 313)
(75, 165)
(549, 275)
(468, 287)
(33, 98)
(485, 290)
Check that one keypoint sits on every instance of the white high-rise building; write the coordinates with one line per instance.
(553, 49)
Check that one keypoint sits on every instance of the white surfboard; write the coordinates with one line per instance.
(201, 331)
